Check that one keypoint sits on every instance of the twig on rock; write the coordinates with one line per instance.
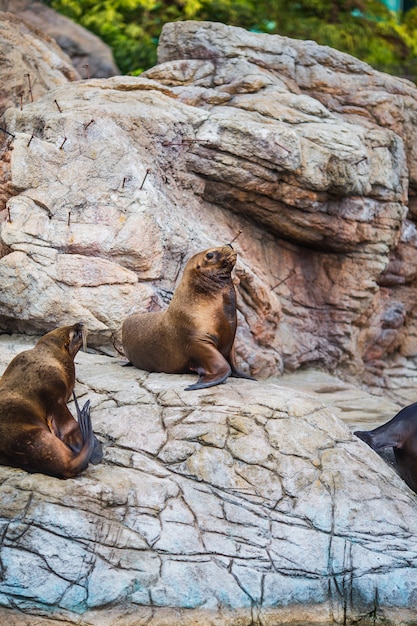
(7, 132)
(283, 280)
(30, 87)
(239, 232)
(180, 143)
(144, 178)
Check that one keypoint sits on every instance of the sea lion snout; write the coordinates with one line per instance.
(229, 255)
(77, 338)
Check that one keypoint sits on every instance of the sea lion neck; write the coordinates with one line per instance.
(204, 283)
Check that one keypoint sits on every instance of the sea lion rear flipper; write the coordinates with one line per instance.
(84, 422)
(97, 453)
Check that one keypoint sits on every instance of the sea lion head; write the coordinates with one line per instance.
(68, 338)
(215, 263)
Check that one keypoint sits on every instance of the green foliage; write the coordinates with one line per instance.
(363, 28)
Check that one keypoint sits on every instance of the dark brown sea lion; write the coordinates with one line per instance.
(197, 331)
(400, 433)
(37, 431)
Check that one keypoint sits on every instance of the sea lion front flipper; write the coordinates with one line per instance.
(210, 364)
(384, 436)
(392, 434)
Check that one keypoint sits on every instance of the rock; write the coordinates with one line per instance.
(32, 63)
(249, 503)
(81, 45)
(131, 176)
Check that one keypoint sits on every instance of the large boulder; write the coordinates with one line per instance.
(88, 53)
(115, 183)
(248, 503)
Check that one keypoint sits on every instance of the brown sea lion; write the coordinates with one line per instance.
(37, 431)
(197, 331)
(400, 433)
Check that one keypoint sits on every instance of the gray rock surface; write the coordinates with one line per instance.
(31, 63)
(81, 45)
(250, 503)
(246, 503)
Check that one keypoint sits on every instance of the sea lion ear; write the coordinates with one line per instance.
(71, 336)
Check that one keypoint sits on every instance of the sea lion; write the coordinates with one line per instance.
(37, 431)
(197, 331)
(400, 433)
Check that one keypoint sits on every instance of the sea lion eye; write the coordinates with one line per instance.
(209, 255)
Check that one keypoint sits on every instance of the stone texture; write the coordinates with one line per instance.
(110, 194)
(31, 63)
(82, 46)
(249, 503)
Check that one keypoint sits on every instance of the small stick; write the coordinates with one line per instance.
(59, 108)
(87, 125)
(21, 100)
(62, 144)
(283, 280)
(7, 132)
(88, 70)
(360, 161)
(9, 219)
(180, 143)
(30, 87)
(146, 174)
(30, 140)
(283, 147)
(124, 180)
(239, 232)
(69, 218)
